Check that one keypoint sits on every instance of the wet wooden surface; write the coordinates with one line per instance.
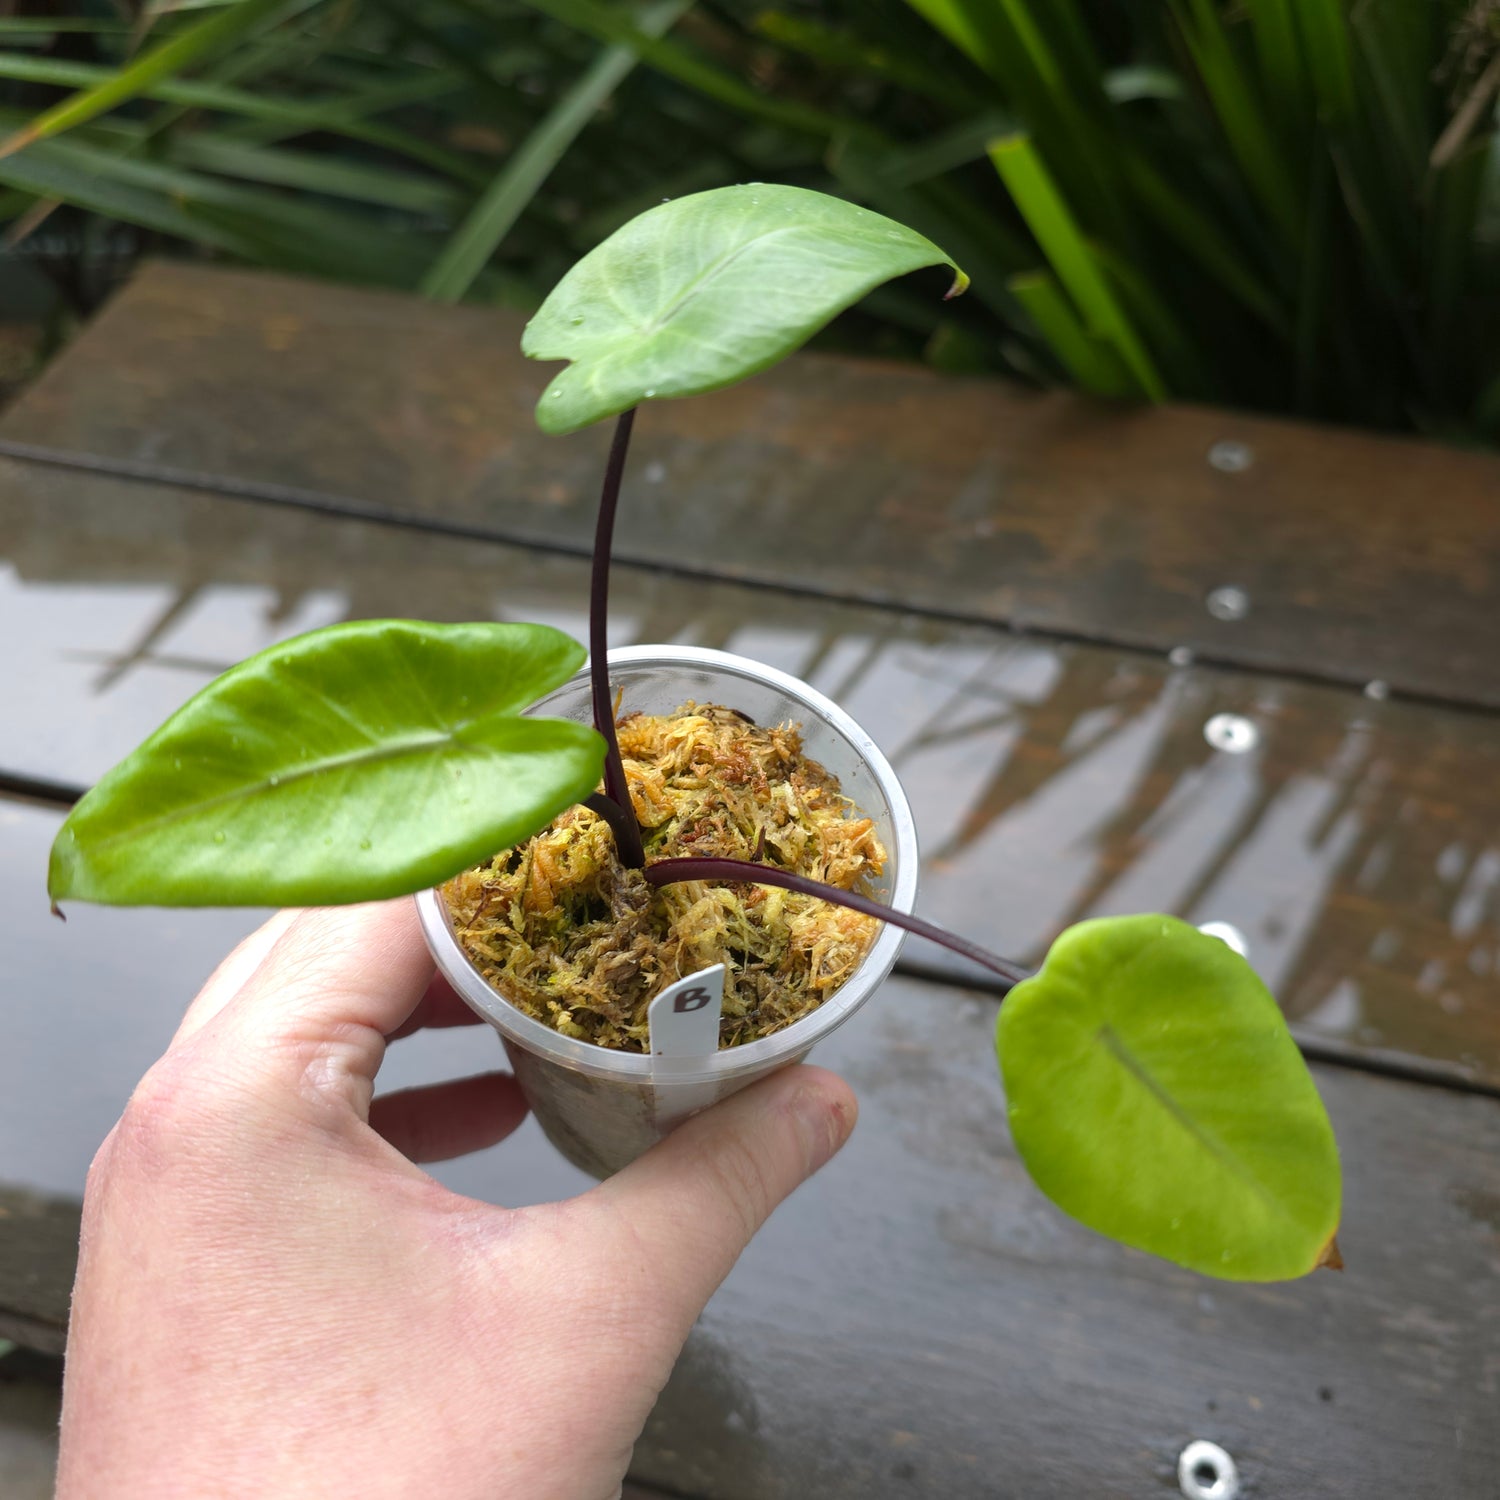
(1362, 558)
(1355, 845)
(918, 1321)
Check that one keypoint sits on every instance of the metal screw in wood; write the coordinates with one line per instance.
(1206, 1472)
(1232, 733)
(1230, 457)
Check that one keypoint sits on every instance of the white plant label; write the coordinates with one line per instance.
(684, 1018)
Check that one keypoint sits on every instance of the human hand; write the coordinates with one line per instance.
(273, 1300)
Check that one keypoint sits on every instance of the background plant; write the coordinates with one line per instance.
(1285, 204)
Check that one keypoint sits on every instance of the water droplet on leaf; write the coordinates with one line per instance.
(219, 837)
(364, 843)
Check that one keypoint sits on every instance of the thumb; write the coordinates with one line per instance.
(692, 1203)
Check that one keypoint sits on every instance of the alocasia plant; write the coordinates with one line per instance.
(1154, 1090)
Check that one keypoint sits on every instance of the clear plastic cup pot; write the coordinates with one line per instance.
(602, 1108)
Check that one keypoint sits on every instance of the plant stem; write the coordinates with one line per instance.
(620, 822)
(668, 871)
(627, 831)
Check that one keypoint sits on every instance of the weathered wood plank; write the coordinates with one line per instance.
(1356, 845)
(38, 1251)
(1362, 558)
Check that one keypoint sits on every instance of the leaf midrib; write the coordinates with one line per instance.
(696, 285)
(298, 773)
(1205, 1138)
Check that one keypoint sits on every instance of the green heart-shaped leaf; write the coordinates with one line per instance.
(706, 290)
(366, 760)
(1155, 1093)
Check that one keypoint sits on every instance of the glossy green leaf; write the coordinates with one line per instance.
(1156, 1094)
(362, 761)
(705, 290)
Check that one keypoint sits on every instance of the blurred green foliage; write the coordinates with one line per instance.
(1291, 205)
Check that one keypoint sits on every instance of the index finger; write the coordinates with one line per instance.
(318, 1007)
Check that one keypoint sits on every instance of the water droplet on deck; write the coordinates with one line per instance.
(1378, 690)
(1180, 656)
(655, 473)
(1232, 733)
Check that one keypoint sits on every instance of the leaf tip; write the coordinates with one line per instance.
(959, 287)
(59, 913)
(1329, 1257)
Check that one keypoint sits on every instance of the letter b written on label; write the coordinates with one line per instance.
(684, 1018)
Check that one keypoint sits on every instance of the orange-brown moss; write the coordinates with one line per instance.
(574, 939)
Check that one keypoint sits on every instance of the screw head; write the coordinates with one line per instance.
(1230, 457)
(1232, 733)
(1228, 602)
(1228, 934)
(1206, 1472)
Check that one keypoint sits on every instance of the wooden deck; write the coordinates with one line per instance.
(1037, 606)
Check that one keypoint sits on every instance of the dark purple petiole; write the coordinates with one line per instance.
(668, 871)
(626, 830)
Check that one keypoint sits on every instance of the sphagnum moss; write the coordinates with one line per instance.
(574, 938)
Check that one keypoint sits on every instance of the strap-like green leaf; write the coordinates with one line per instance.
(184, 49)
(703, 291)
(1155, 1093)
(526, 169)
(366, 760)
